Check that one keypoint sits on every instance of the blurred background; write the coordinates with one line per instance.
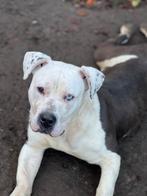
(69, 31)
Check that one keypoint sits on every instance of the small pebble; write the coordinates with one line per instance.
(1, 130)
(34, 22)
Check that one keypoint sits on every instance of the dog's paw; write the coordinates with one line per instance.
(18, 191)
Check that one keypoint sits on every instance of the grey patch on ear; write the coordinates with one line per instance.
(94, 79)
(39, 58)
(32, 60)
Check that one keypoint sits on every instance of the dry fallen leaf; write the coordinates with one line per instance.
(82, 12)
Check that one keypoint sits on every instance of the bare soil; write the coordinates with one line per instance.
(66, 33)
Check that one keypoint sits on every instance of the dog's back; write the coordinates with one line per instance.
(123, 97)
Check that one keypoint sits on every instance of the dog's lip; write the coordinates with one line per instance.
(48, 133)
(34, 128)
(37, 129)
(62, 133)
(56, 135)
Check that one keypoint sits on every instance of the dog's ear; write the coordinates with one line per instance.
(32, 61)
(94, 79)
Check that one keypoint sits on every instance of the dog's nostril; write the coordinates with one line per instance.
(47, 120)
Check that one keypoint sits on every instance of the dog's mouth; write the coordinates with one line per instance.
(52, 133)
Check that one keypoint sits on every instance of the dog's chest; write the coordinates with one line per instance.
(87, 145)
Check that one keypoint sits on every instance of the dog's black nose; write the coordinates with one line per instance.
(47, 121)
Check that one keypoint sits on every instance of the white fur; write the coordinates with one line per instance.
(143, 29)
(115, 61)
(84, 136)
(32, 60)
(126, 30)
(94, 79)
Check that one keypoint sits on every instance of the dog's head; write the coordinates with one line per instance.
(57, 91)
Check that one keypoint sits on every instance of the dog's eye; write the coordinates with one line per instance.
(69, 97)
(40, 89)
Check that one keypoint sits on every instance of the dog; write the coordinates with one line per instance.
(82, 112)
(132, 39)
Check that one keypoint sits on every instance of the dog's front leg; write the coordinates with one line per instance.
(110, 165)
(28, 164)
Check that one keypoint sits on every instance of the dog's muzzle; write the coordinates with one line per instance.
(46, 122)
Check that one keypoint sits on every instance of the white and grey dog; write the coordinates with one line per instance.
(67, 114)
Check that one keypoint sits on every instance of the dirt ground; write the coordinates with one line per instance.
(66, 33)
